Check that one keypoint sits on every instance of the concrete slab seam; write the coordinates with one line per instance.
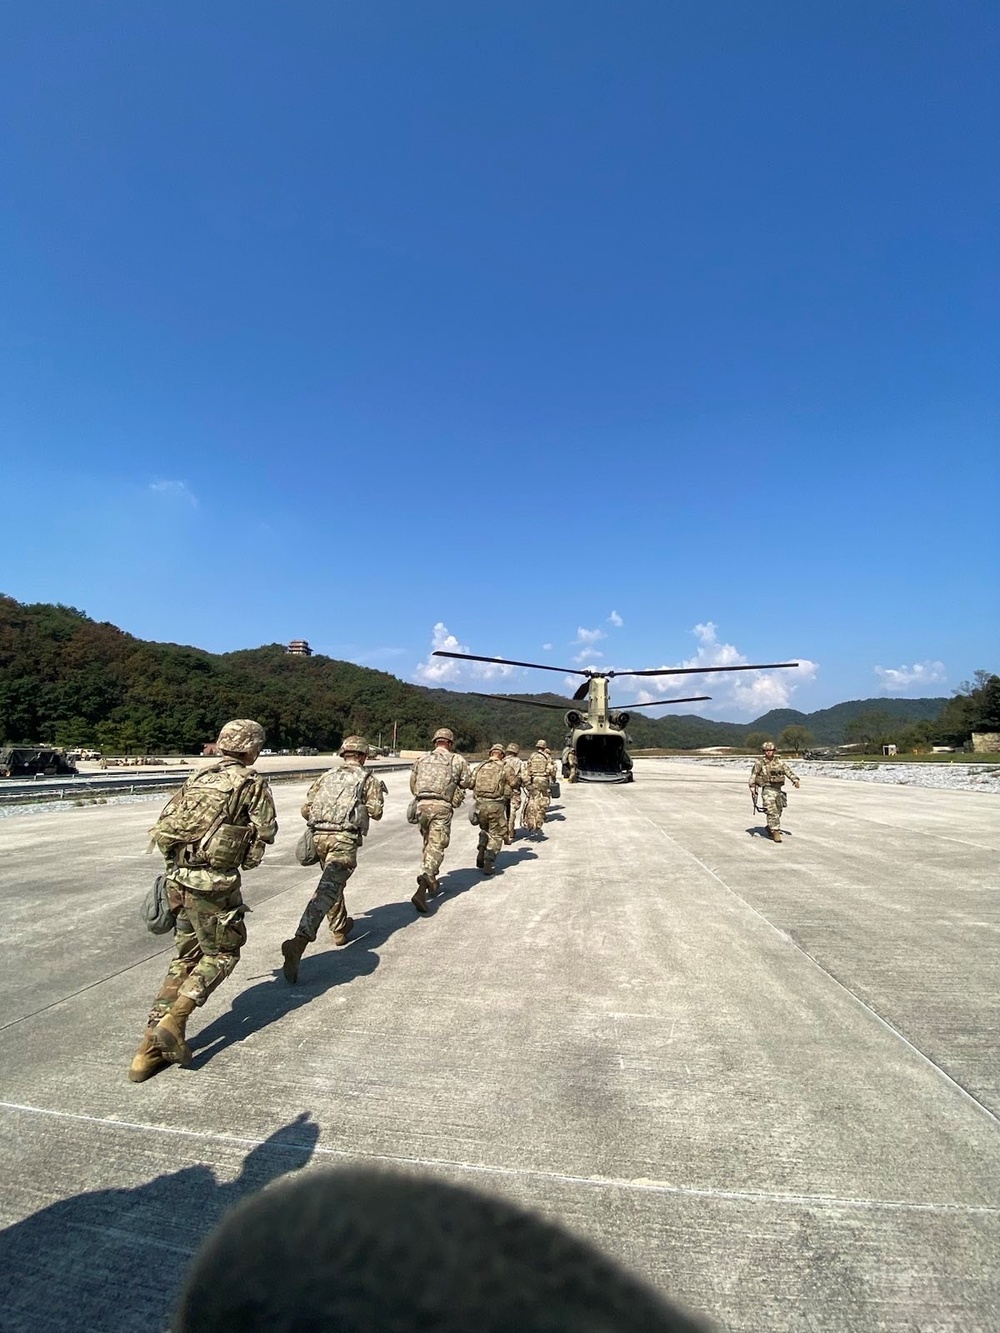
(639, 1186)
(862, 1004)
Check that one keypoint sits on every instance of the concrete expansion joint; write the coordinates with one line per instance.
(640, 1185)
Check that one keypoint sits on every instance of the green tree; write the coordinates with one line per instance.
(795, 737)
(974, 707)
(871, 730)
(756, 739)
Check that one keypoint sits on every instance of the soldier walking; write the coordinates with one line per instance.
(491, 788)
(337, 809)
(769, 774)
(539, 771)
(219, 823)
(514, 767)
(438, 781)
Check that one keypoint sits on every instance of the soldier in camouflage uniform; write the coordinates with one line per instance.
(337, 841)
(570, 767)
(438, 781)
(539, 771)
(769, 774)
(209, 931)
(514, 767)
(491, 787)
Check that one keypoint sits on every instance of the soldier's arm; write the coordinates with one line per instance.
(307, 803)
(413, 780)
(374, 796)
(755, 776)
(465, 775)
(261, 812)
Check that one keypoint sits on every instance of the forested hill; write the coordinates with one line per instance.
(68, 680)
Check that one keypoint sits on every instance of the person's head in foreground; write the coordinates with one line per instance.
(365, 1251)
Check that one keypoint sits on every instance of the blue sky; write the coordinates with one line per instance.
(656, 333)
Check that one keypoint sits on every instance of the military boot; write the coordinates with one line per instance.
(481, 860)
(419, 899)
(489, 863)
(147, 1061)
(433, 888)
(169, 1033)
(776, 834)
(292, 951)
(343, 933)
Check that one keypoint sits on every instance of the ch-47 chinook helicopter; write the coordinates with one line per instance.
(598, 736)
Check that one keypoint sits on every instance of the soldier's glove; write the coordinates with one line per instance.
(254, 856)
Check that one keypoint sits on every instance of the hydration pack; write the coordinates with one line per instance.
(201, 818)
(337, 805)
(435, 776)
(489, 781)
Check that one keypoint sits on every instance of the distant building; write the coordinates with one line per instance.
(300, 648)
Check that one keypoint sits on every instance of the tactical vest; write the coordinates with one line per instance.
(435, 776)
(337, 805)
(489, 781)
(206, 823)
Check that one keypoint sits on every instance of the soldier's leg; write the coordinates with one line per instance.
(438, 838)
(511, 817)
(496, 826)
(187, 952)
(769, 797)
(217, 921)
(483, 839)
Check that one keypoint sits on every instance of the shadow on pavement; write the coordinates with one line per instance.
(115, 1259)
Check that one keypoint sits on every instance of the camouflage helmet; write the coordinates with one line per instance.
(496, 747)
(354, 745)
(513, 749)
(443, 734)
(240, 736)
(769, 745)
(541, 745)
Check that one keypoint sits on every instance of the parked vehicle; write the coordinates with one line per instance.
(28, 761)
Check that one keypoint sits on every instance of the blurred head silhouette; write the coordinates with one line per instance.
(361, 1250)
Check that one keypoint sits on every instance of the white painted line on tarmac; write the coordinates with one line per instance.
(641, 1185)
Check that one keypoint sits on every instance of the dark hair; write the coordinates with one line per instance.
(359, 1250)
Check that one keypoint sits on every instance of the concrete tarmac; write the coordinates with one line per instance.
(764, 1077)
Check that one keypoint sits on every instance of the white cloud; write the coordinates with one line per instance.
(895, 680)
(174, 490)
(448, 671)
(546, 647)
(616, 620)
(589, 635)
(585, 659)
(751, 692)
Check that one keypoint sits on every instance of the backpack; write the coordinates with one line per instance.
(202, 816)
(538, 765)
(337, 805)
(489, 781)
(435, 776)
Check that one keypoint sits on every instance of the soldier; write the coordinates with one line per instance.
(514, 767)
(492, 790)
(570, 766)
(218, 823)
(438, 781)
(539, 771)
(769, 774)
(337, 809)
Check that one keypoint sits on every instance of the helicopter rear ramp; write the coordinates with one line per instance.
(603, 758)
(764, 1077)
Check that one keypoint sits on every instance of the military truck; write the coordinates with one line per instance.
(28, 761)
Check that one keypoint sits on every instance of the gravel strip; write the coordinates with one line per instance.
(953, 776)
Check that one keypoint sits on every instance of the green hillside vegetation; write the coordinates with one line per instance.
(68, 680)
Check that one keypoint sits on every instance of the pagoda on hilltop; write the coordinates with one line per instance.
(300, 648)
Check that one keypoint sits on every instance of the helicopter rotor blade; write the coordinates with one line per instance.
(704, 671)
(582, 692)
(655, 703)
(509, 699)
(506, 661)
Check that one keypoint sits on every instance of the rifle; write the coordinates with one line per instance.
(757, 809)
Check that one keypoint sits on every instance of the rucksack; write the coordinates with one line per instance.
(435, 777)
(489, 781)
(202, 815)
(337, 805)
(538, 765)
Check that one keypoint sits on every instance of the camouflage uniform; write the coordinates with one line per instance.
(491, 811)
(571, 768)
(539, 771)
(209, 930)
(769, 773)
(514, 767)
(338, 854)
(434, 815)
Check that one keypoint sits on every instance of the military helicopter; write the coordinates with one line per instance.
(598, 736)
